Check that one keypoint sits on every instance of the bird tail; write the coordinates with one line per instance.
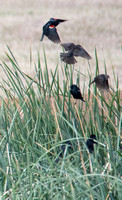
(42, 37)
(67, 59)
(83, 100)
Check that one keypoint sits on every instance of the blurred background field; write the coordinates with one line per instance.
(93, 24)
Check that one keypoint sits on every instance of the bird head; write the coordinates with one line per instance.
(73, 87)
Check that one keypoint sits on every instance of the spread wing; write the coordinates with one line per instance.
(80, 51)
(102, 77)
(102, 81)
(53, 35)
(68, 46)
(56, 21)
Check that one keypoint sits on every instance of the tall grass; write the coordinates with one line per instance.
(38, 119)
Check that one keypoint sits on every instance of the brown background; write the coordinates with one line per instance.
(91, 23)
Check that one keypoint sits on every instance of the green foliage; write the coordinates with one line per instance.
(37, 117)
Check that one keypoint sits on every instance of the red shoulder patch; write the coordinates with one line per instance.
(51, 26)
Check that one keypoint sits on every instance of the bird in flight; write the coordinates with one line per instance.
(72, 52)
(101, 82)
(49, 30)
(76, 93)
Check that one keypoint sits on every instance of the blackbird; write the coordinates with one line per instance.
(62, 150)
(90, 143)
(75, 91)
(73, 50)
(49, 30)
(101, 81)
(63, 146)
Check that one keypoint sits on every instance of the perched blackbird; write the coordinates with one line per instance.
(63, 146)
(62, 150)
(49, 30)
(101, 82)
(90, 143)
(75, 91)
(73, 50)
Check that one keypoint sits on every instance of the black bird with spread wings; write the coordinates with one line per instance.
(49, 30)
(76, 93)
(72, 51)
(101, 82)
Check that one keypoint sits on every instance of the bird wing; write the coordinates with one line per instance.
(102, 77)
(53, 35)
(102, 81)
(57, 20)
(80, 51)
(68, 46)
